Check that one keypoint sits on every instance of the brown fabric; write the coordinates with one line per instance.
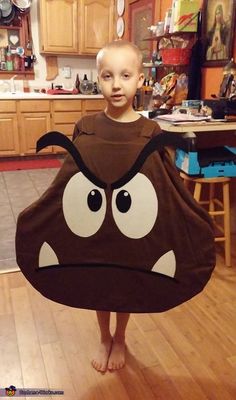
(106, 249)
(109, 129)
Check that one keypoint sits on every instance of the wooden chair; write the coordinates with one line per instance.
(216, 207)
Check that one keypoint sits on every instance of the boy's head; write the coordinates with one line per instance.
(121, 45)
(119, 65)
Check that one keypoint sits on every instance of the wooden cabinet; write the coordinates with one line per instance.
(23, 122)
(59, 26)
(65, 114)
(93, 106)
(35, 120)
(75, 27)
(9, 137)
(96, 25)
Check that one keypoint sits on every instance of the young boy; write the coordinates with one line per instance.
(120, 74)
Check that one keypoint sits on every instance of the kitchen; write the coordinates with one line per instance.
(188, 352)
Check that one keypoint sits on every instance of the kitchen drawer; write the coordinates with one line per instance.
(94, 105)
(67, 105)
(66, 117)
(7, 106)
(34, 105)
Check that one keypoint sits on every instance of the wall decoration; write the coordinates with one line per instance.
(218, 31)
(120, 6)
(141, 16)
(13, 38)
(120, 27)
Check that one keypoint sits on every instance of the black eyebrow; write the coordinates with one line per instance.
(59, 139)
(155, 144)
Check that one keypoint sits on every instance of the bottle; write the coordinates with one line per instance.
(9, 59)
(147, 97)
(77, 83)
(86, 86)
(167, 20)
(95, 88)
(16, 62)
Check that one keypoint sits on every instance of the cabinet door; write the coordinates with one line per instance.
(65, 114)
(59, 26)
(9, 136)
(64, 122)
(32, 127)
(96, 25)
(93, 106)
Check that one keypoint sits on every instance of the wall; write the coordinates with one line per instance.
(211, 77)
(78, 65)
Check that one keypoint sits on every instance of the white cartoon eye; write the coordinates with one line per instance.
(84, 206)
(135, 207)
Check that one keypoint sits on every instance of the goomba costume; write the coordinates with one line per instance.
(116, 230)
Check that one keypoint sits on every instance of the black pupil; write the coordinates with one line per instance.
(94, 200)
(123, 201)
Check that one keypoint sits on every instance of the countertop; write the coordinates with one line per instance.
(197, 127)
(44, 96)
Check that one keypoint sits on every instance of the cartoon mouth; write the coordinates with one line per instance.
(165, 265)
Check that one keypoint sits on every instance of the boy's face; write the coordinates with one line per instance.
(119, 76)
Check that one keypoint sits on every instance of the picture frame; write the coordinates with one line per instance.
(218, 25)
(141, 16)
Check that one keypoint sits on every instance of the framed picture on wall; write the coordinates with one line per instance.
(141, 16)
(218, 23)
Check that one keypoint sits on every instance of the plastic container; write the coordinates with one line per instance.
(9, 60)
(175, 56)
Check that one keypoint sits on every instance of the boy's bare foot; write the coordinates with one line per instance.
(117, 356)
(101, 359)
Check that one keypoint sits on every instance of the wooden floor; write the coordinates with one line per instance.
(188, 353)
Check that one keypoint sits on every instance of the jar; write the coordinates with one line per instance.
(86, 86)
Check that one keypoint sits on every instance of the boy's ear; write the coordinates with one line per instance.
(140, 80)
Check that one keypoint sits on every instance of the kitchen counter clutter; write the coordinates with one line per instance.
(33, 95)
(25, 117)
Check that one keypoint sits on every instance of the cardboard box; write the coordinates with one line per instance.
(185, 17)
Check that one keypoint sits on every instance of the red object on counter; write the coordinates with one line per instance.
(62, 91)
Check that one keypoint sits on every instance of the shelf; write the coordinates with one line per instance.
(11, 27)
(27, 74)
(164, 65)
(168, 35)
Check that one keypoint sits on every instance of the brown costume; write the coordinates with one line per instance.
(116, 230)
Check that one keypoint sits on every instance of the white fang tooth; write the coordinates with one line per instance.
(47, 256)
(166, 264)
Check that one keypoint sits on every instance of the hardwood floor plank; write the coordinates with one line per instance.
(5, 303)
(10, 362)
(44, 322)
(32, 364)
(57, 372)
(160, 383)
